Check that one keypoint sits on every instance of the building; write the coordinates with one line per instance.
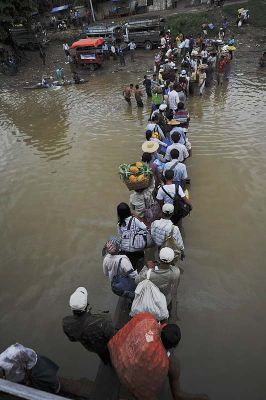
(120, 8)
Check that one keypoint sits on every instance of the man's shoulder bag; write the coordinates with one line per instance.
(122, 284)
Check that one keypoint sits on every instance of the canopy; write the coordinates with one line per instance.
(89, 42)
(58, 9)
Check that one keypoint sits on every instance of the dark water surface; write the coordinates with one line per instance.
(59, 154)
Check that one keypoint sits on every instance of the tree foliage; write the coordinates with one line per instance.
(14, 12)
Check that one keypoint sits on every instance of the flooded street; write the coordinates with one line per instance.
(59, 157)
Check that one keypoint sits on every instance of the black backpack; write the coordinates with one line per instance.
(181, 209)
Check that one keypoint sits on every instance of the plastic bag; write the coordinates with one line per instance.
(139, 356)
(149, 298)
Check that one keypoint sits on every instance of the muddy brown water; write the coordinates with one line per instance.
(59, 153)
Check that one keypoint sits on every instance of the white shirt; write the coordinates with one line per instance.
(186, 44)
(173, 100)
(163, 41)
(168, 53)
(204, 54)
(111, 262)
(171, 189)
(180, 170)
(183, 153)
(132, 46)
(139, 202)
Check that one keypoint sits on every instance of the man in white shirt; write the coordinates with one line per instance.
(173, 98)
(167, 192)
(132, 46)
(183, 153)
(163, 42)
(66, 49)
(179, 169)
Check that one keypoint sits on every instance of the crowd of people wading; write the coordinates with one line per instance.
(143, 260)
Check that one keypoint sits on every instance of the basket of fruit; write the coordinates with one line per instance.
(136, 176)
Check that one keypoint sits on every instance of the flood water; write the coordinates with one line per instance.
(59, 157)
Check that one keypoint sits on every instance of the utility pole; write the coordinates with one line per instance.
(92, 11)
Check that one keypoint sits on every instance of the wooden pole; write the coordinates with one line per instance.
(92, 11)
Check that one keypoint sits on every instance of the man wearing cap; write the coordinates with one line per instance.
(165, 275)
(162, 228)
(160, 110)
(151, 147)
(93, 331)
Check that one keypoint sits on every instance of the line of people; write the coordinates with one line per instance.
(142, 263)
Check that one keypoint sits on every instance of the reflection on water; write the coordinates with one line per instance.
(57, 206)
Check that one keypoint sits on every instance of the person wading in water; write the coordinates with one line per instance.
(93, 331)
(127, 93)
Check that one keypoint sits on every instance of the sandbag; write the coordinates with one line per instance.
(139, 356)
(149, 298)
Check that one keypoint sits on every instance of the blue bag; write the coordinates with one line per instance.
(122, 284)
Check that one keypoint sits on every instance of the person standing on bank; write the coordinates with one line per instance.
(93, 331)
(132, 46)
(66, 49)
(121, 56)
(43, 55)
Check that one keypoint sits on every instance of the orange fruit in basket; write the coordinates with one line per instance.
(133, 179)
(134, 169)
(141, 178)
(139, 164)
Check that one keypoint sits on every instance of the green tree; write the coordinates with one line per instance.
(14, 12)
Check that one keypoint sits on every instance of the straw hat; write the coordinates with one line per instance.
(173, 122)
(150, 147)
(203, 66)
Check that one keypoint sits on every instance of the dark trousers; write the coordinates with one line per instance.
(132, 55)
(122, 60)
(148, 91)
(139, 102)
(136, 258)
